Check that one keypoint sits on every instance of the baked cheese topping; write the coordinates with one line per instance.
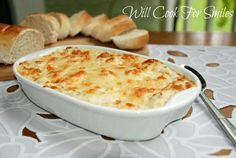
(105, 78)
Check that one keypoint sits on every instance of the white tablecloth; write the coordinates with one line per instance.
(28, 131)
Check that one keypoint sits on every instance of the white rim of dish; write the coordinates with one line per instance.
(100, 108)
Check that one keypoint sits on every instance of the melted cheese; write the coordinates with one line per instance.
(105, 78)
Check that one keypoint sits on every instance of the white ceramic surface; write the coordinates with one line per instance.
(119, 124)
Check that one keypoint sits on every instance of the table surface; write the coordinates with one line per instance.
(194, 38)
(176, 38)
(26, 130)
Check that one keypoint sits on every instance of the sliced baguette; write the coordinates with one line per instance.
(45, 23)
(64, 22)
(134, 39)
(113, 27)
(16, 41)
(78, 21)
(96, 21)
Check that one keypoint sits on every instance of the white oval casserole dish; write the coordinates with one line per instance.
(112, 122)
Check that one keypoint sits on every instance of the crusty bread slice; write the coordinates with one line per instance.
(134, 39)
(97, 20)
(16, 41)
(45, 23)
(64, 22)
(78, 21)
(113, 27)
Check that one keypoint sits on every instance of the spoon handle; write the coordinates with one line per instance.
(225, 124)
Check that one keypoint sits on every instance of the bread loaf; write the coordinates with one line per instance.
(117, 25)
(16, 41)
(96, 21)
(78, 21)
(45, 23)
(134, 39)
(64, 24)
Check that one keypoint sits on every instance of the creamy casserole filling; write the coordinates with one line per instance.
(105, 78)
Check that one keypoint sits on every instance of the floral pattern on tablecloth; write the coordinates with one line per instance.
(28, 131)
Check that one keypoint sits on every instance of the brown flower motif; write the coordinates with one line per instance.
(48, 116)
(228, 110)
(171, 60)
(212, 64)
(12, 88)
(222, 152)
(176, 53)
(209, 93)
(28, 133)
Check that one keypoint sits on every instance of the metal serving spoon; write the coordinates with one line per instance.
(225, 124)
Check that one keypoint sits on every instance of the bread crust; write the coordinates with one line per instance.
(113, 27)
(96, 21)
(78, 21)
(9, 34)
(51, 35)
(136, 41)
(64, 22)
